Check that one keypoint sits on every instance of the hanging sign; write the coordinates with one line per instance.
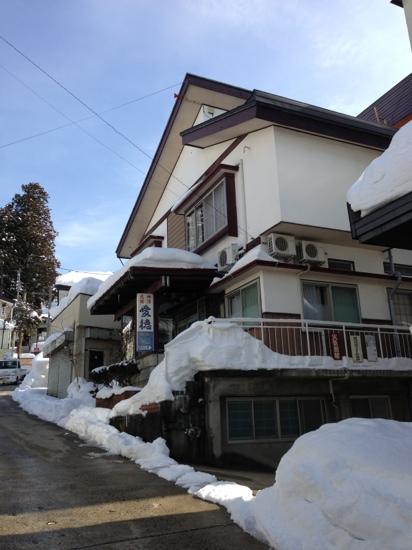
(356, 348)
(371, 349)
(334, 345)
(144, 322)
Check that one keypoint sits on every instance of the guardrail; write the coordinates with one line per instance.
(328, 338)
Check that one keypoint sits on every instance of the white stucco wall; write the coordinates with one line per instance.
(314, 176)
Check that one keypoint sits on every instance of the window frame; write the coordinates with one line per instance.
(240, 289)
(331, 307)
(349, 263)
(279, 438)
(392, 312)
(230, 227)
(368, 397)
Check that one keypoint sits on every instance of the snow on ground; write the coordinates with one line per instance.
(345, 486)
(172, 258)
(114, 389)
(38, 374)
(87, 285)
(215, 344)
(387, 177)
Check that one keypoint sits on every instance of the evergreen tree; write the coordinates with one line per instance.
(27, 243)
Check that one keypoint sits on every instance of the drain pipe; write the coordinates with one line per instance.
(393, 290)
(243, 194)
(331, 389)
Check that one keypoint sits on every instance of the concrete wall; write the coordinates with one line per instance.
(218, 388)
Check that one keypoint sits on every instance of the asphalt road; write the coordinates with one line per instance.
(57, 492)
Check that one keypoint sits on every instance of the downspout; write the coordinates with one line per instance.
(392, 293)
(393, 290)
(243, 200)
(331, 389)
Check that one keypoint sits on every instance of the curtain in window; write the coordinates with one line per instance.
(250, 301)
(315, 303)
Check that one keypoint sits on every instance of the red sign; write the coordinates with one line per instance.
(335, 346)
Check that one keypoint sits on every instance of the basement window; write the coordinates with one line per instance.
(271, 419)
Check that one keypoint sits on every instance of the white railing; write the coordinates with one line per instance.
(329, 338)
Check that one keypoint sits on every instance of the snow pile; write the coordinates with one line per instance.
(258, 253)
(114, 389)
(217, 344)
(73, 277)
(346, 485)
(38, 374)
(35, 401)
(7, 325)
(87, 285)
(172, 258)
(387, 177)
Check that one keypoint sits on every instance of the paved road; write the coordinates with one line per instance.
(56, 492)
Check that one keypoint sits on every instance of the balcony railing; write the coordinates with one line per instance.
(301, 337)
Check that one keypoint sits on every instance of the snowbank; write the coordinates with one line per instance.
(347, 485)
(38, 374)
(387, 177)
(215, 344)
(114, 389)
(87, 285)
(172, 258)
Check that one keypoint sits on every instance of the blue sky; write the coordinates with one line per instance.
(341, 55)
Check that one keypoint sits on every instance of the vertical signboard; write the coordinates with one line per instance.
(356, 348)
(335, 346)
(371, 349)
(144, 322)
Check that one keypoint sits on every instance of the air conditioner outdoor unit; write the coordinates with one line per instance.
(281, 246)
(311, 253)
(227, 257)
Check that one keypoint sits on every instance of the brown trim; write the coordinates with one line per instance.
(295, 115)
(301, 267)
(232, 228)
(403, 121)
(202, 188)
(190, 80)
(149, 231)
(211, 240)
(157, 242)
(397, 3)
(277, 315)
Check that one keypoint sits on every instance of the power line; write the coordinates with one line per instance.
(72, 121)
(101, 118)
(62, 126)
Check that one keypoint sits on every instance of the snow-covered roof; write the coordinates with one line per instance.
(154, 257)
(387, 177)
(88, 285)
(73, 277)
(258, 253)
(222, 345)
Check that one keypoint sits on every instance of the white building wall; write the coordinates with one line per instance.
(314, 176)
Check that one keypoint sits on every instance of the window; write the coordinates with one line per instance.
(260, 418)
(207, 218)
(326, 302)
(343, 265)
(405, 270)
(244, 302)
(371, 407)
(402, 305)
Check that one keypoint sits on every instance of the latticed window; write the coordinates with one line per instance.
(262, 418)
